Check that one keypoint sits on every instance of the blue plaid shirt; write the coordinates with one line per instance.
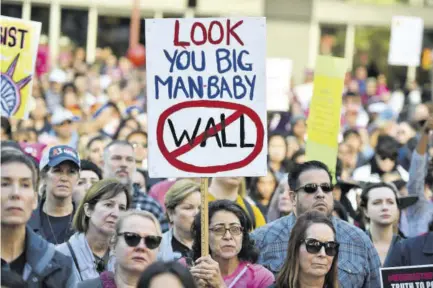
(142, 201)
(358, 261)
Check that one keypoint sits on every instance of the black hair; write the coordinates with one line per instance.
(254, 191)
(300, 152)
(11, 279)
(135, 132)
(122, 125)
(6, 126)
(173, 268)
(349, 133)
(13, 156)
(340, 210)
(387, 145)
(94, 139)
(429, 176)
(248, 251)
(87, 165)
(301, 168)
(145, 175)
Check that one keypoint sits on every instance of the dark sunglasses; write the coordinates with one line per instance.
(314, 246)
(133, 239)
(313, 187)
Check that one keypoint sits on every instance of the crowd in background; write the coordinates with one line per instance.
(86, 157)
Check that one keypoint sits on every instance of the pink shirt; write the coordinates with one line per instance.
(249, 275)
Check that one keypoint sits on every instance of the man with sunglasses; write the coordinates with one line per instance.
(421, 184)
(311, 189)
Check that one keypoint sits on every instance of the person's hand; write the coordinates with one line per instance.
(208, 270)
(428, 126)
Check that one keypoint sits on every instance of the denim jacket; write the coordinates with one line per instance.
(358, 261)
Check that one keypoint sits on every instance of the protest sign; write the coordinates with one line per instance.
(206, 97)
(19, 44)
(407, 277)
(278, 75)
(406, 41)
(325, 109)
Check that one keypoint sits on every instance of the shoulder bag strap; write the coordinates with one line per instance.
(75, 259)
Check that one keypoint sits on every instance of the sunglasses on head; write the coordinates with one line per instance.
(314, 246)
(388, 156)
(313, 187)
(133, 239)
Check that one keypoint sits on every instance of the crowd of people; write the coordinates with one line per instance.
(80, 210)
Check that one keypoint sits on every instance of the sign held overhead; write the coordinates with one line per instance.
(206, 97)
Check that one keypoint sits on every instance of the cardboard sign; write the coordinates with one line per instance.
(406, 41)
(407, 277)
(18, 51)
(206, 97)
(278, 74)
(325, 111)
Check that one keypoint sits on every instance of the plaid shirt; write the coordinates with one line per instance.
(358, 261)
(142, 201)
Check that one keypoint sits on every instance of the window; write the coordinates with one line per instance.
(41, 14)
(74, 25)
(11, 10)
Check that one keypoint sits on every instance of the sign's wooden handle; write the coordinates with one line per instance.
(204, 215)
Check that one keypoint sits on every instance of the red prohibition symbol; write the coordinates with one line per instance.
(239, 110)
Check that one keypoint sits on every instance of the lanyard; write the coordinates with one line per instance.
(239, 276)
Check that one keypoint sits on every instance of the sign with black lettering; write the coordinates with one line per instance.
(407, 277)
(206, 97)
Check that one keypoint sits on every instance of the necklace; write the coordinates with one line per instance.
(51, 227)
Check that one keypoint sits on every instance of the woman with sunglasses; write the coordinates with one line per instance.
(94, 223)
(135, 246)
(312, 254)
(232, 258)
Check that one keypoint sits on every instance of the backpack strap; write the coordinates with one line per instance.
(250, 212)
(75, 259)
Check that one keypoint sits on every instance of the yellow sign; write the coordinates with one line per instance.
(18, 51)
(325, 110)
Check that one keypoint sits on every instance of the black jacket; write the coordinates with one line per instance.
(412, 251)
(35, 221)
(45, 267)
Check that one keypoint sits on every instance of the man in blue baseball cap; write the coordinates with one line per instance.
(59, 174)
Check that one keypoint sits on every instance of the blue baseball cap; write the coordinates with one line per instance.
(58, 154)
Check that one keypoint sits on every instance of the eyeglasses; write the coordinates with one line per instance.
(314, 246)
(312, 188)
(133, 239)
(135, 145)
(221, 230)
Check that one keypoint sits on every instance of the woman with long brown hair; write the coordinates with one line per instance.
(312, 254)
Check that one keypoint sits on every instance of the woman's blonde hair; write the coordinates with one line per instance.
(101, 190)
(178, 192)
(127, 214)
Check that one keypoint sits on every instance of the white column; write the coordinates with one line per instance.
(54, 35)
(411, 73)
(349, 45)
(313, 47)
(158, 14)
(189, 13)
(26, 10)
(92, 34)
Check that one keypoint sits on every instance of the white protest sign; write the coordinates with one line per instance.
(278, 74)
(206, 97)
(406, 41)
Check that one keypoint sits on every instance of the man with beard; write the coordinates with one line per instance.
(119, 163)
(311, 189)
